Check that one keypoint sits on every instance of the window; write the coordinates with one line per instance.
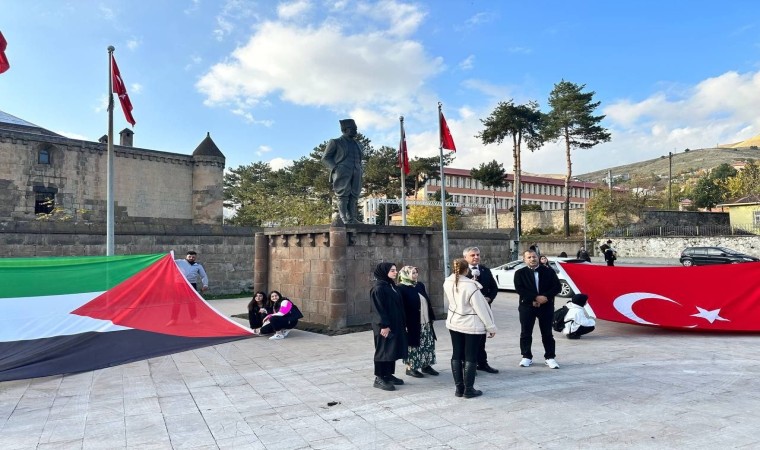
(756, 220)
(44, 202)
(43, 156)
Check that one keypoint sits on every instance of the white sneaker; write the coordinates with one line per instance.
(526, 362)
(552, 363)
(286, 332)
(277, 336)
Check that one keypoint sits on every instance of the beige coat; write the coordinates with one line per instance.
(469, 311)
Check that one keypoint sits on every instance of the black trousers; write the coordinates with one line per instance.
(385, 368)
(528, 316)
(465, 347)
(277, 323)
(581, 331)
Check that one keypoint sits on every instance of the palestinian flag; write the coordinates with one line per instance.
(74, 314)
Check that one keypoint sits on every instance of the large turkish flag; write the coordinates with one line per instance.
(706, 298)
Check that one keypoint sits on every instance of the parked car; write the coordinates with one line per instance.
(702, 256)
(505, 274)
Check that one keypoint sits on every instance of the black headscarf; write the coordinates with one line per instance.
(381, 272)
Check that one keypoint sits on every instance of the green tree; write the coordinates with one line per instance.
(746, 182)
(491, 175)
(521, 123)
(611, 209)
(571, 119)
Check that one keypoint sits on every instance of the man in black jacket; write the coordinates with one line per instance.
(482, 275)
(536, 285)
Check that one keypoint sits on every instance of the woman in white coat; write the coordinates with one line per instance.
(469, 317)
(577, 320)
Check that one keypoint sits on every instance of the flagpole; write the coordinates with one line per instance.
(109, 170)
(444, 227)
(402, 160)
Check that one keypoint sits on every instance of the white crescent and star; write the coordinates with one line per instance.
(624, 305)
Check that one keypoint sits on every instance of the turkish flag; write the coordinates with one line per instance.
(447, 141)
(121, 90)
(4, 64)
(403, 157)
(705, 298)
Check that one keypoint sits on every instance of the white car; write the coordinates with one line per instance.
(505, 274)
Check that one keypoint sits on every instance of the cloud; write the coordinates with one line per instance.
(280, 163)
(520, 50)
(135, 88)
(133, 43)
(232, 12)
(326, 66)
(263, 149)
(195, 60)
(467, 63)
(106, 12)
(194, 6)
(294, 9)
(480, 18)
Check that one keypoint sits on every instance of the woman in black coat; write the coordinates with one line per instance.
(388, 326)
(419, 323)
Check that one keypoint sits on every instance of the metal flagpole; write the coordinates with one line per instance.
(444, 227)
(402, 160)
(109, 173)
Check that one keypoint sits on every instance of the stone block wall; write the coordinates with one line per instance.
(671, 247)
(225, 252)
(327, 270)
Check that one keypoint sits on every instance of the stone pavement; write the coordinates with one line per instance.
(622, 386)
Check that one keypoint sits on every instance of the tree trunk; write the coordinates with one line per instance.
(567, 182)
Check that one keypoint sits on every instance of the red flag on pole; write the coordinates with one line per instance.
(4, 64)
(403, 156)
(447, 141)
(121, 90)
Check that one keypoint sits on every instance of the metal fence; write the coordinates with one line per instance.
(640, 230)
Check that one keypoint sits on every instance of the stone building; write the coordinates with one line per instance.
(42, 172)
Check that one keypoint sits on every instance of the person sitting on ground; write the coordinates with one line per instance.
(577, 320)
(258, 308)
(283, 320)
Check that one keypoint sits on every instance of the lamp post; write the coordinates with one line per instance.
(670, 180)
(585, 200)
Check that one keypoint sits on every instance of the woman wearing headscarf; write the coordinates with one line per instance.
(388, 326)
(469, 318)
(419, 323)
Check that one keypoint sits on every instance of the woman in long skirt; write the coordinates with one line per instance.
(419, 323)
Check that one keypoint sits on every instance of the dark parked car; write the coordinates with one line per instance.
(702, 256)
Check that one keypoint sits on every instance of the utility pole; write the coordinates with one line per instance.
(670, 180)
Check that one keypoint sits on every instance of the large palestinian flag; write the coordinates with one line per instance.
(706, 298)
(63, 315)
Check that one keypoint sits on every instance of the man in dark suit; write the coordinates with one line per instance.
(482, 275)
(536, 285)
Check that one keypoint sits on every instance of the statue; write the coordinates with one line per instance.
(343, 156)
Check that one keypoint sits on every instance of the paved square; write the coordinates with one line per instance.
(622, 386)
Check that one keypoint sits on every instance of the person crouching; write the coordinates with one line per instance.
(577, 320)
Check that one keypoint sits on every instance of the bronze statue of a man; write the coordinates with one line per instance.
(343, 156)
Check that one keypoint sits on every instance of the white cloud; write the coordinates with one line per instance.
(194, 61)
(294, 9)
(520, 50)
(467, 63)
(194, 6)
(279, 163)
(135, 88)
(232, 12)
(480, 18)
(106, 12)
(326, 66)
(263, 149)
(133, 43)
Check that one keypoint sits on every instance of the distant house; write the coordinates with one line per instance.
(744, 211)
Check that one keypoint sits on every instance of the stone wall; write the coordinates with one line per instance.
(149, 186)
(671, 247)
(328, 270)
(530, 220)
(225, 252)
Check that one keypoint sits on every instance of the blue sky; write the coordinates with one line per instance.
(270, 80)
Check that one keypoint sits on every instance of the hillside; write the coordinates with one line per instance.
(683, 163)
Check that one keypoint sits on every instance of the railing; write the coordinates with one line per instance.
(685, 230)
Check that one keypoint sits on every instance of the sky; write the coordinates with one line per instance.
(270, 80)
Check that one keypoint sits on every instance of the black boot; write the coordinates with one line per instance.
(456, 370)
(469, 380)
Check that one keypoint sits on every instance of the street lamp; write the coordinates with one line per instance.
(670, 180)
(585, 200)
